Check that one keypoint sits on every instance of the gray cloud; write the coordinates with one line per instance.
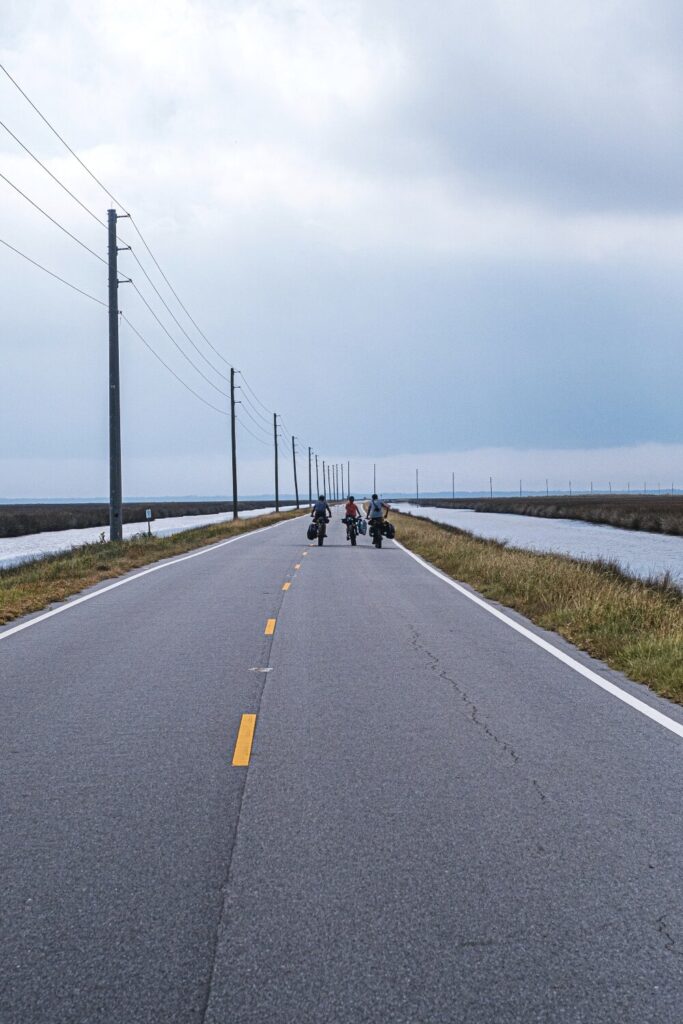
(461, 223)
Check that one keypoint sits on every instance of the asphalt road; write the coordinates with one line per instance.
(439, 821)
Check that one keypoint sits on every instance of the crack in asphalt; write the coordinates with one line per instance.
(222, 922)
(474, 713)
(670, 941)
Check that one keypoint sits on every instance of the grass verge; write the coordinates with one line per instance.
(34, 585)
(633, 626)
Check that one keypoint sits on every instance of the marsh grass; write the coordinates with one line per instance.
(653, 513)
(33, 585)
(19, 520)
(634, 626)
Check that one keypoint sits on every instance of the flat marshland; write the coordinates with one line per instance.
(33, 585)
(19, 520)
(654, 513)
(635, 627)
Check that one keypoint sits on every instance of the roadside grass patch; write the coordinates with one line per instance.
(31, 586)
(634, 626)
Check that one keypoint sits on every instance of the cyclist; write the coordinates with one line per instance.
(321, 510)
(351, 519)
(321, 516)
(351, 509)
(376, 508)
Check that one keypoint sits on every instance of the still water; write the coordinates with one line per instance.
(14, 550)
(641, 554)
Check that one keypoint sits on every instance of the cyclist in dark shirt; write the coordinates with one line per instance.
(321, 509)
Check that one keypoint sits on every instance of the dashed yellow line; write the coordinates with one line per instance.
(298, 566)
(245, 737)
(286, 586)
(270, 627)
(305, 553)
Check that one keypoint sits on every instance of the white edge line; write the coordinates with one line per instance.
(616, 691)
(129, 579)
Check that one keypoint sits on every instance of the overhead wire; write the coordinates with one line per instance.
(266, 419)
(61, 139)
(52, 274)
(253, 393)
(196, 394)
(52, 219)
(256, 422)
(101, 223)
(179, 347)
(245, 427)
(104, 225)
(118, 203)
(177, 297)
(175, 320)
(142, 238)
(53, 176)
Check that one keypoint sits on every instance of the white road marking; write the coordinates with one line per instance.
(587, 673)
(129, 579)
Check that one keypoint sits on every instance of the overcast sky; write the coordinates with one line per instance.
(445, 234)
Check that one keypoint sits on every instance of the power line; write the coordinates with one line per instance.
(179, 347)
(245, 427)
(254, 395)
(177, 297)
(62, 140)
(288, 432)
(52, 274)
(175, 320)
(247, 399)
(55, 222)
(53, 176)
(254, 421)
(164, 363)
(117, 202)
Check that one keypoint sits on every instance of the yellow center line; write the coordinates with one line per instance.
(245, 737)
(270, 627)
(286, 586)
(305, 553)
(298, 566)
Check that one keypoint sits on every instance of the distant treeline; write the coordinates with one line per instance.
(656, 513)
(18, 520)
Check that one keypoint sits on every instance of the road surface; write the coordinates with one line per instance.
(437, 820)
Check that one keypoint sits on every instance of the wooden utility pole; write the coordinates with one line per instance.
(115, 487)
(317, 478)
(310, 479)
(296, 483)
(233, 435)
(277, 480)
